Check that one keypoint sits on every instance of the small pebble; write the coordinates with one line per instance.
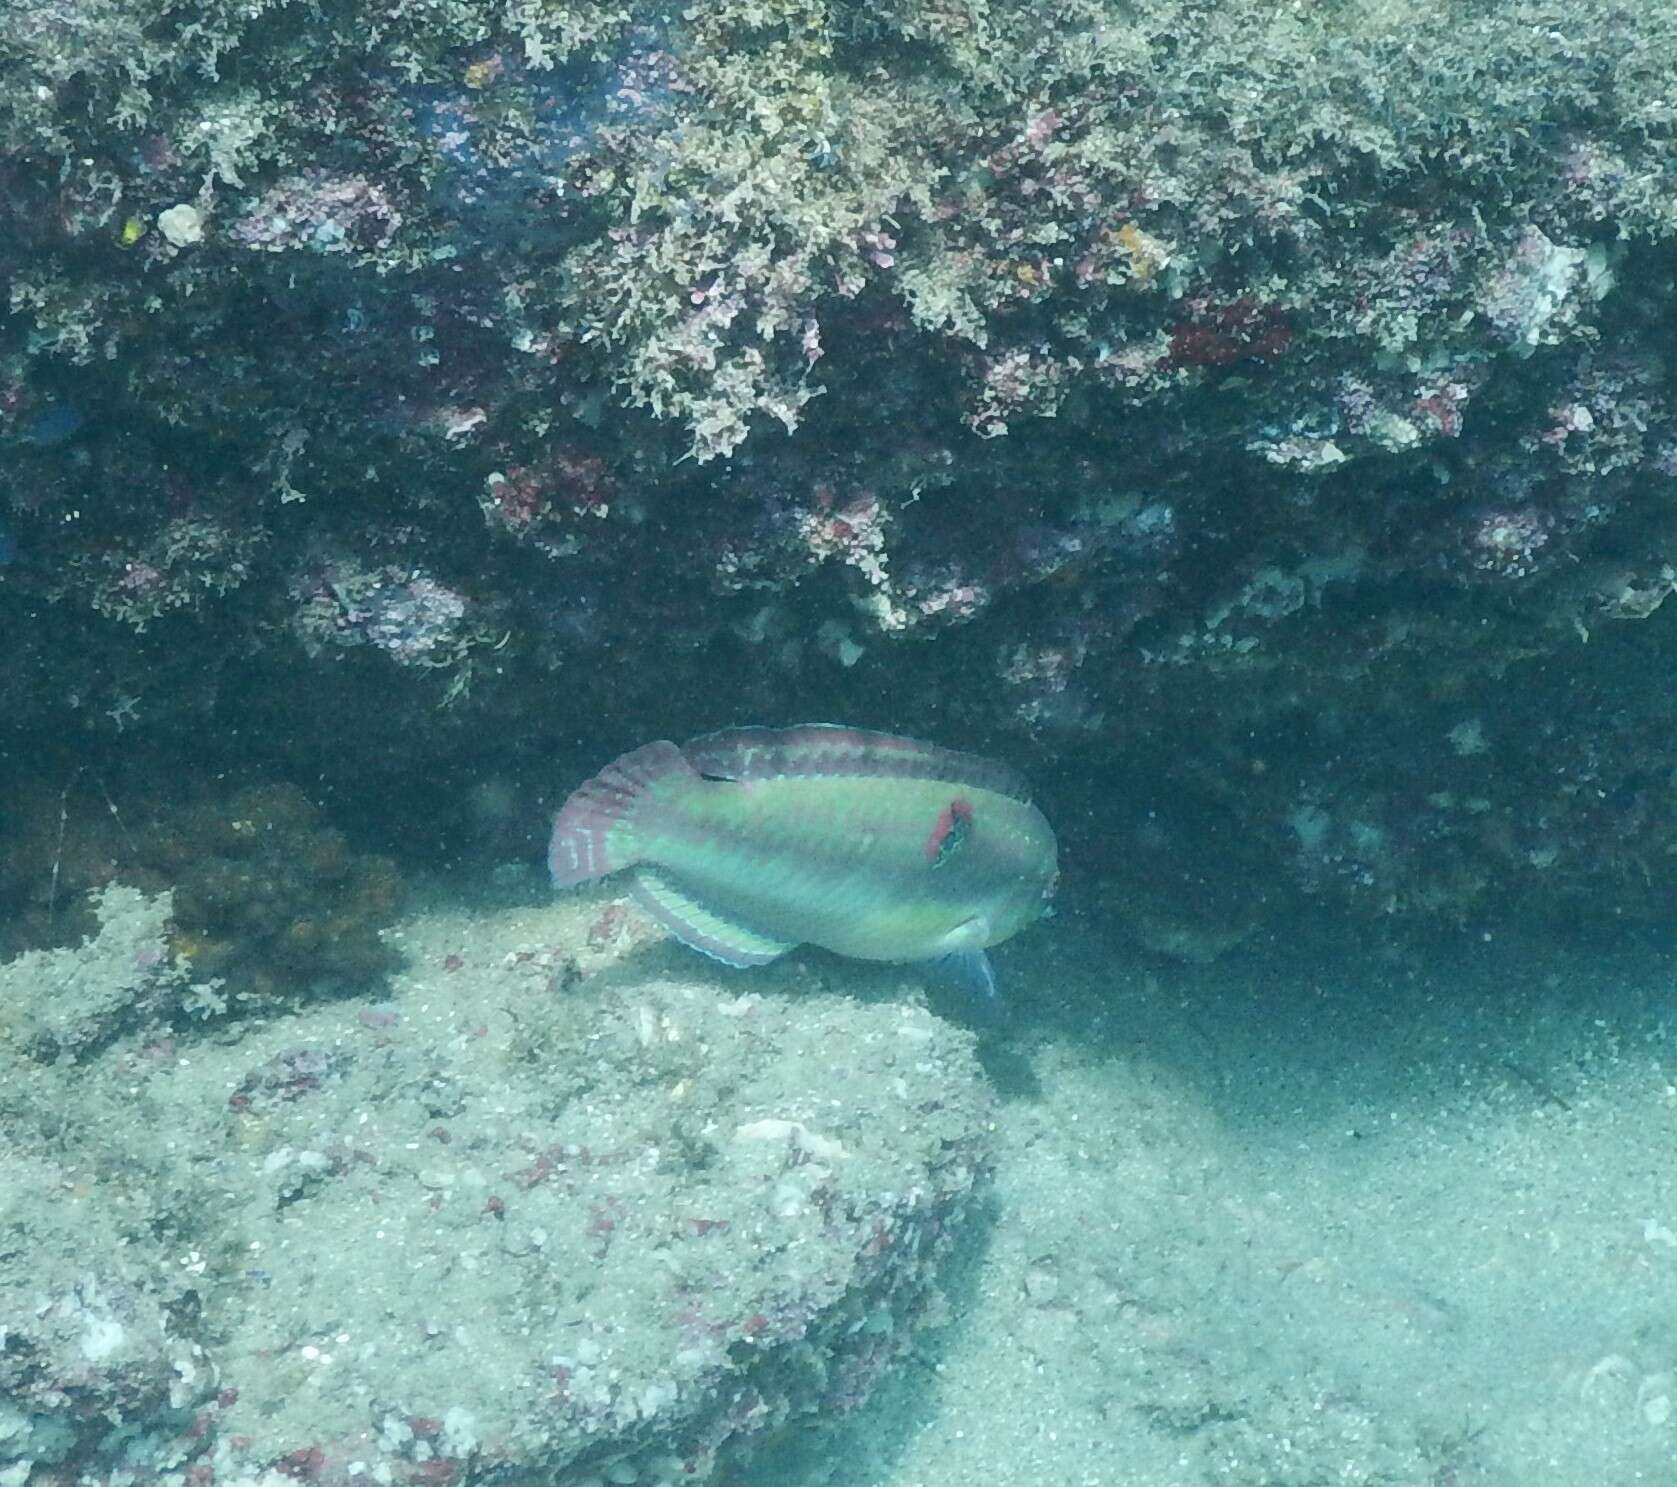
(1042, 1282)
(181, 225)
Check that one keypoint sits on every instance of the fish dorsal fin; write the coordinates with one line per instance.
(827, 749)
(703, 929)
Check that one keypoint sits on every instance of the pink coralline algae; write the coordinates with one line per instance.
(1419, 285)
(1041, 678)
(1397, 411)
(855, 534)
(1506, 544)
(1018, 384)
(406, 613)
(1440, 404)
(1604, 419)
(533, 501)
(942, 592)
(322, 212)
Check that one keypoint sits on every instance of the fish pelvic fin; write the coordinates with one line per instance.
(701, 928)
(594, 833)
(963, 986)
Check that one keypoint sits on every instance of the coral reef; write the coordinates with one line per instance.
(264, 895)
(1211, 373)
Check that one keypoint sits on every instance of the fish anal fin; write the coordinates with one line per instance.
(701, 928)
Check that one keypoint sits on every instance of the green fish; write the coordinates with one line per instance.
(747, 843)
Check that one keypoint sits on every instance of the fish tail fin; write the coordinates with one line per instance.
(594, 833)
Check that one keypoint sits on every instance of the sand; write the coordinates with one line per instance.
(1310, 1219)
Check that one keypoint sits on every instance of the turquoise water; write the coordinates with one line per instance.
(1256, 423)
(1300, 1220)
(564, 1191)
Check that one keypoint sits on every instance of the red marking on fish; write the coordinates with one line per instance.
(950, 830)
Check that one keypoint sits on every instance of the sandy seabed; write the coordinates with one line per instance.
(1295, 1219)
(1267, 1223)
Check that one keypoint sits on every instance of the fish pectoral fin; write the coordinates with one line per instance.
(969, 934)
(702, 928)
(966, 974)
(970, 970)
(960, 961)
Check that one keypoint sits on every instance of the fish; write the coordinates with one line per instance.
(747, 843)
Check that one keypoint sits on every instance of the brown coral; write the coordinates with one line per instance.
(266, 894)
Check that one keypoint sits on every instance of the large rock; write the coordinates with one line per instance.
(571, 1202)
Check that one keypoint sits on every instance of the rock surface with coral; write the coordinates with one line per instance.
(1248, 382)
(565, 1203)
(262, 893)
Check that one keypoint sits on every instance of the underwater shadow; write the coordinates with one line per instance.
(866, 1446)
(1313, 1027)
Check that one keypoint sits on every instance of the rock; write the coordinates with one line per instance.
(91, 1367)
(61, 1003)
(182, 225)
(623, 1227)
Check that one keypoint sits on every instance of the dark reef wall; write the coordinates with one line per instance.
(1256, 421)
